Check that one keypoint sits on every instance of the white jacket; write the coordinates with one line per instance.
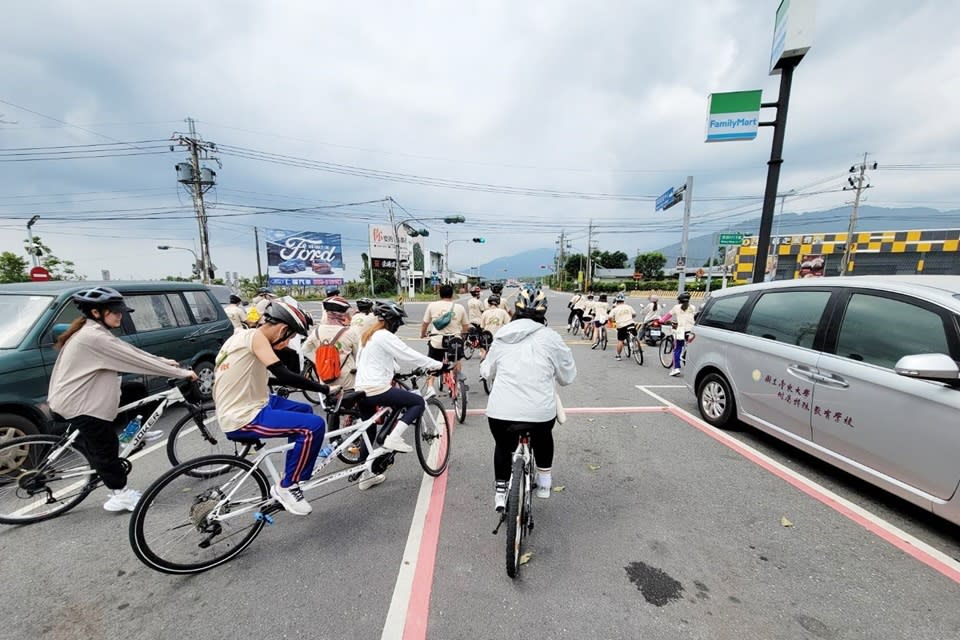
(525, 359)
(383, 355)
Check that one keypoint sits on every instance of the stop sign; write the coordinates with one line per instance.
(39, 274)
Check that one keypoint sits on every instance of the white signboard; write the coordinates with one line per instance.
(383, 244)
(792, 32)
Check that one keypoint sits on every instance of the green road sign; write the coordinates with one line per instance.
(731, 238)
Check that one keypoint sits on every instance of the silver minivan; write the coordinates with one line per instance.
(861, 372)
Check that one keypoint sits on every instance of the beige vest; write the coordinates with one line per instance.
(240, 382)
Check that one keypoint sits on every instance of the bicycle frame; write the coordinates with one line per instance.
(166, 398)
(356, 432)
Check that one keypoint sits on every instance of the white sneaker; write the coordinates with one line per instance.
(122, 500)
(674, 372)
(500, 496)
(544, 483)
(368, 480)
(396, 443)
(292, 499)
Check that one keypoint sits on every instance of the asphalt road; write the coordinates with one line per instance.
(663, 529)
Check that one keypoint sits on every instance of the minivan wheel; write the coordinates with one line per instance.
(14, 426)
(204, 383)
(715, 401)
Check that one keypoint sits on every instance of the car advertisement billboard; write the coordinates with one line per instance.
(304, 258)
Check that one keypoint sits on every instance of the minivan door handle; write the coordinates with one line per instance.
(831, 380)
(802, 371)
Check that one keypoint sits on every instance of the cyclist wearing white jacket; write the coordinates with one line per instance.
(524, 362)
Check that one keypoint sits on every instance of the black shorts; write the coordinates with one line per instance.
(624, 332)
(438, 354)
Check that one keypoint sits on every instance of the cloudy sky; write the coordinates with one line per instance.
(573, 97)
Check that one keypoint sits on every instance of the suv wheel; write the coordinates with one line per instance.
(715, 401)
(14, 426)
(204, 383)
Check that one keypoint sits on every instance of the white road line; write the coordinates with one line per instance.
(397, 613)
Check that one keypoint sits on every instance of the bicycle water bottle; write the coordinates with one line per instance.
(326, 451)
(131, 429)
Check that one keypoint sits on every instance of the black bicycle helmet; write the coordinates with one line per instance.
(683, 297)
(475, 291)
(284, 312)
(333, 290)
(364, 305)
(532, 304)
(496, 287)
(494, 300)
(99, 298)
(234, 299)
(391, 313)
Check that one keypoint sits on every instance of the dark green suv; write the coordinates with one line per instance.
(178, 320)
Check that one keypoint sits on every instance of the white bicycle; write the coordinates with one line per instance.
(206, 511)
(44, 476)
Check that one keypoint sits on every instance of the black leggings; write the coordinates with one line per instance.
(575, 312)
(541, 441)
(98, 439)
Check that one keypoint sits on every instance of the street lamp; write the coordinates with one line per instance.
(196, 258)
(33, 249)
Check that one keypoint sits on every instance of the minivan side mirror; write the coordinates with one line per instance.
(929, 366)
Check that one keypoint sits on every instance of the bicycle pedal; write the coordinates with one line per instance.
(259, 516)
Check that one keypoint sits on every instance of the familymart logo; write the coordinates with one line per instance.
(733, 116)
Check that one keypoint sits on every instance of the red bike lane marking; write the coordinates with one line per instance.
(900, 539)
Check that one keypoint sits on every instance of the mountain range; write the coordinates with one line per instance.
(870, 218)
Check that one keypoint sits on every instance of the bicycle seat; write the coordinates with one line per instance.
(350, 398)
(519, 427)
(243, 437)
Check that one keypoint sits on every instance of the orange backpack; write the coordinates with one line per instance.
(327, 358)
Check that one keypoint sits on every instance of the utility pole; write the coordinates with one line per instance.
(713, 253)
(587, 280)
(396, 246)
(256, 240)
(198, 180)
(858, 183)
(687, 204)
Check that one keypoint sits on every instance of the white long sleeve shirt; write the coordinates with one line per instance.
(525, 361)
(381, 357)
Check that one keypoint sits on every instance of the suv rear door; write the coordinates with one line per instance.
(898, 426)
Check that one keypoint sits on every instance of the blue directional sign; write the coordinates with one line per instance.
(665, 200)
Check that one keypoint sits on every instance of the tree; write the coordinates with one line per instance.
(417, 257)
(13, 268)
(650, 265)
(609, 260)
(59, 269)
(573, 265)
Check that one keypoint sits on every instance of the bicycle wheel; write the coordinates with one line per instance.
(515, 517)
(603, 339)
(197, 435)
(350, 455)
(575, 329)
(432, 433)
(636, 349)
(33, 488)
(469, 346)
(187, 524)
(310, 373)
(460, 401)
(666, 351)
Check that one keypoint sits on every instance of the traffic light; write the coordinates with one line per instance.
(454, 219)
(480, 240)
(423, 232)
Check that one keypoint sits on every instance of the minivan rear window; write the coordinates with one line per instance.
(722, 312)
(788, 316)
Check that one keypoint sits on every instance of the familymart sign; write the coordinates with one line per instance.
(733, 116)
